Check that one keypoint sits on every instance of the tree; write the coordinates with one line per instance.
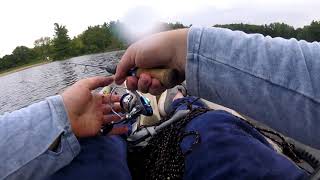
(22, 55)
(309, 33)
(3, 64)
(116, 29)
(273, 29)
(314, 31)
(61, 42)
(96, 39)
(77, 46)
(281, 30)
(7, 62)
(43, 48)
(176, 25)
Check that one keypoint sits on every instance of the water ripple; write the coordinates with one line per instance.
(32, 85)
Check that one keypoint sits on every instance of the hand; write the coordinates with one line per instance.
(88, 111)
(166, 49)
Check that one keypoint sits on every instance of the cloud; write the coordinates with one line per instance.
(22, 22)
(296, 13)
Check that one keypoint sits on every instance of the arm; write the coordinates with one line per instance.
(275, 81)
(272, 80)
(26, 136)
(38, 140)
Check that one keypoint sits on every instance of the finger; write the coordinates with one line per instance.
(115, 106)
(119, 130)
(144, 83)
(107, 99)
(126, 63)
(110, 118)
(98, 81)
(156, 87)
(132, 83)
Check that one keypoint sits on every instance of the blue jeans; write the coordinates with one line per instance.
(229, 149)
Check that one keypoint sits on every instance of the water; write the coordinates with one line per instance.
(32, 85)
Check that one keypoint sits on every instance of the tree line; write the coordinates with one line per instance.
(309, 33)
(101, 38)
(94, 39)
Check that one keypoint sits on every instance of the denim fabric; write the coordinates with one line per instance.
(273, 80)
(26, 135)
(231, 149)
(100, 158)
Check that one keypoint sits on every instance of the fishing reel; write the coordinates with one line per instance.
(132, 103)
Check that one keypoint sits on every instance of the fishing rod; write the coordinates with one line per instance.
(109, 69)
(167, 77)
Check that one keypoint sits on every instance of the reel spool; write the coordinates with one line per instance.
(132, 103)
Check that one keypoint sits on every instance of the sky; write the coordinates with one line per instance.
(24, 21)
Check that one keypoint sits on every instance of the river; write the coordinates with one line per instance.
(28, 86)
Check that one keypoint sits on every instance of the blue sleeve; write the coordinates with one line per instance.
(26, 135)
(273, 80)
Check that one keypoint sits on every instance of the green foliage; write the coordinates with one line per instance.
(117, 40)
(171, 26)
(43, 48)
(107, 36)
(176, 25)
(61, 42)
(247, 28)
(77, 46)
(309, 33)
(280, 30)
(7, 62)
(96, 39)
(22, 55)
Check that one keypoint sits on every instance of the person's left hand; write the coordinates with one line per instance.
(87, 110)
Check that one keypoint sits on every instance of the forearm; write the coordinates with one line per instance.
(275, 81)
(26, 137)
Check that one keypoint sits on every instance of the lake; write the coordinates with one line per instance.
(32, 85)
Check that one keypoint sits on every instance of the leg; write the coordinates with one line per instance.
(100, 158)
(232, 149)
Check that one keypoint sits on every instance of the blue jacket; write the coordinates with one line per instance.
(272, 80)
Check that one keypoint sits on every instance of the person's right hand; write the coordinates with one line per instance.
(162, 50)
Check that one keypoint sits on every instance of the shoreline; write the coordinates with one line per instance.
(39, 63)
(21, 68)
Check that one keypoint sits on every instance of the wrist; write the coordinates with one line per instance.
(181, 37)
(71, 117)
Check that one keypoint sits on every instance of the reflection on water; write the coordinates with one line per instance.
(25, 87)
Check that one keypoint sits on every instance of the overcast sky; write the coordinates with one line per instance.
(23, 21)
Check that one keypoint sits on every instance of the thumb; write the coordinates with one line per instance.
(98, 81)
(126, 63)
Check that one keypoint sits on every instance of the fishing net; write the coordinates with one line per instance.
(163, 158)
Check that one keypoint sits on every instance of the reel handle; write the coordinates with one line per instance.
(168, 77)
